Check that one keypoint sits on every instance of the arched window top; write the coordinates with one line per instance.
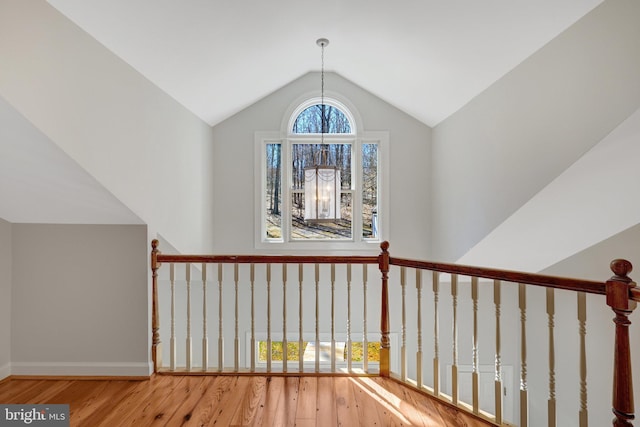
(307, 118)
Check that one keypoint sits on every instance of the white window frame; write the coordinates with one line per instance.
(287, 139)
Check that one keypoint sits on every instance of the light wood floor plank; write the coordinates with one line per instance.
(131, 405)
(118, 392)
(253, 397)
(208, 405)
(196, 386)
(11, 389)
(231, 401)
(157, 401)
(367, 405)
(166, 400)
(91, 402)
(174, 400)
(345, 402)
(327, 411)
(385, 401)
(271, 410)
(46, 393)
(415, 406)
(307, 397)
(288, 403)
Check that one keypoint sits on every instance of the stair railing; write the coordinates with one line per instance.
(402, 321)
(621, 295)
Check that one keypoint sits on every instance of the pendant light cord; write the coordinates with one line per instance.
(322, 95)
(323, 119)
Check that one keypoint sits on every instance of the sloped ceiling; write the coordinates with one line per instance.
(39, 183)
(427, 58)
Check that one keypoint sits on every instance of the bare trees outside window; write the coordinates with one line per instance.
(311, 134)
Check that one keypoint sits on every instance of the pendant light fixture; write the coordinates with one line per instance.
(322, 181)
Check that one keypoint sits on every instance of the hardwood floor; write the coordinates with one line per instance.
(166, 400)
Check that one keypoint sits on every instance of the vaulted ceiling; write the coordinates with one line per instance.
(427, 57)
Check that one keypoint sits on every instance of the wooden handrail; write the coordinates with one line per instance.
(621, 295)
(578, 285)
(269, 259)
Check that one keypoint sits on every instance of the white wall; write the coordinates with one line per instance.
(593, 263)
(79, 302)
(5, 298)
(509, 143)
(138, 142)
(574, 211)
(410, 157)
(513, 139)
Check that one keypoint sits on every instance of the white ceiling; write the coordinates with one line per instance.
(426, 57)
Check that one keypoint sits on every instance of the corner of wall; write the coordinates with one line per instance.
(5, 297)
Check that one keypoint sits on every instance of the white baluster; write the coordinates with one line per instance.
(419, 352)
(252, 273)
(436, 334)
(349, 365)
(317, 277)
(269, 344)
(172, 341)
(205, 338)
(365, 340)
(403, 327)
(475, 375)
(189, 343)
(551, 403)
(333, 320)
(236, 348)
(454, 366)
(524, 394)
(284, 318)
(300, 323)
(220, 325)
(582, 319)
(498, 354)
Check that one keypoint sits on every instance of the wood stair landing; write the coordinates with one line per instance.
(167, 400)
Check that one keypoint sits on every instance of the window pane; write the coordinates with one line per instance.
(370, 191)
(308, 155)
(310, 120)
(277, 352)
(373, 351)
(273, 194)
(293, 351)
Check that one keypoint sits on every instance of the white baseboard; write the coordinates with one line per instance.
(5, 371)
(123, 369)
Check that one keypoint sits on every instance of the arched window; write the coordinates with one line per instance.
(310, 138)
(310, 120)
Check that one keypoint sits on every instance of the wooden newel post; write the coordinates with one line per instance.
(385, 345)
(156, 348)
(618, 298)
